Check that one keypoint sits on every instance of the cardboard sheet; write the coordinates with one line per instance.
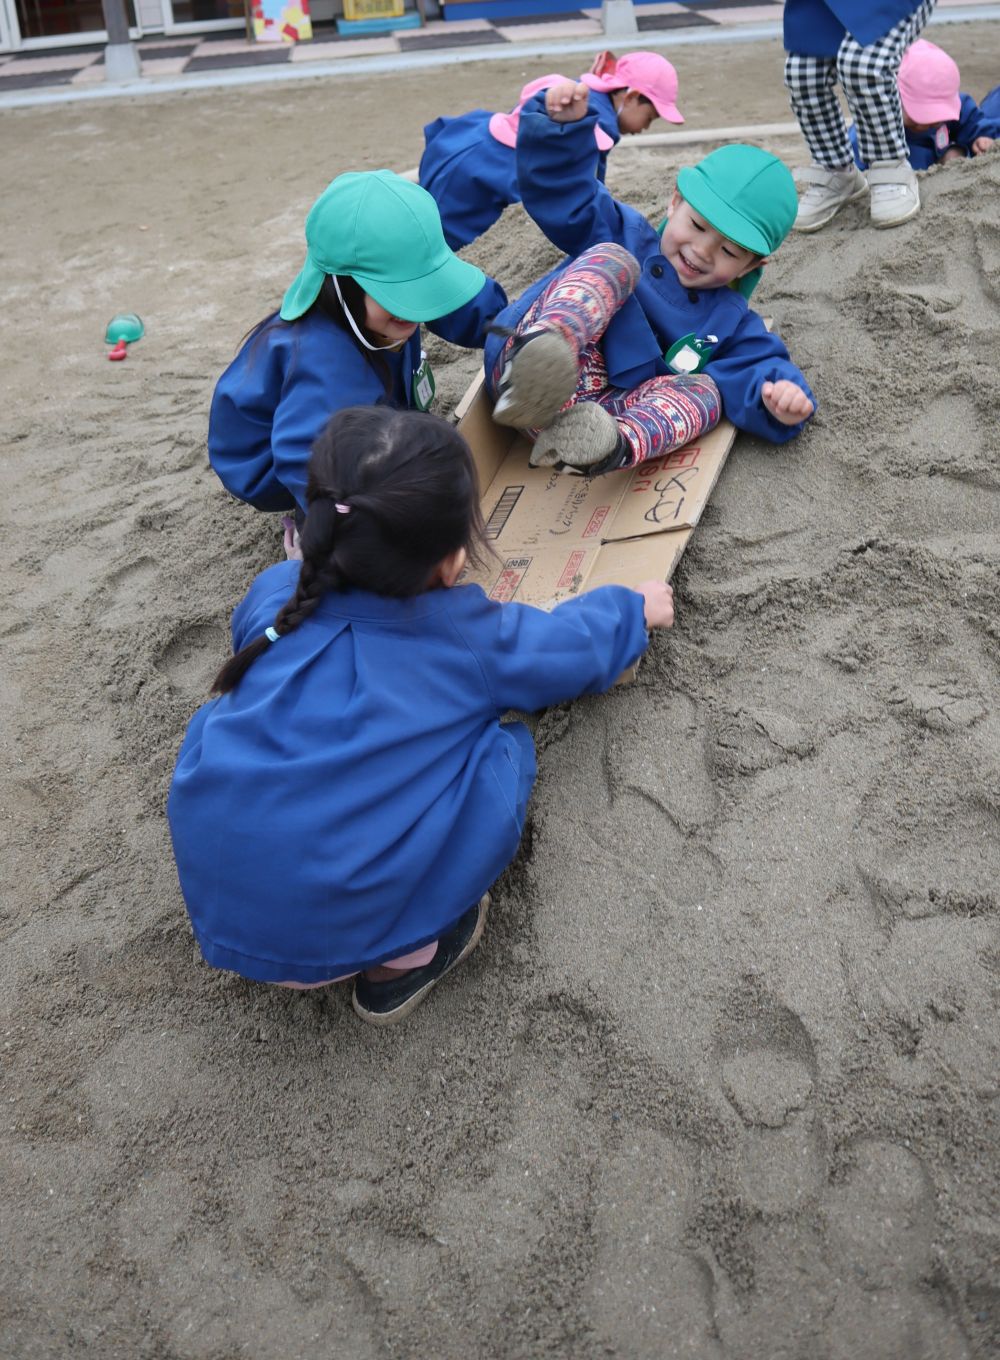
(556, 534)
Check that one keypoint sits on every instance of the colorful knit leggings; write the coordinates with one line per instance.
(660, 414)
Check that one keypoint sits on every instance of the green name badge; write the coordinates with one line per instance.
(689, 354)
(423, 385)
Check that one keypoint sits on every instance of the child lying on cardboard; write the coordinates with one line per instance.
(644, 337)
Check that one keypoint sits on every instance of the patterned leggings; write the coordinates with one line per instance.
(660, 414)
(868, 78)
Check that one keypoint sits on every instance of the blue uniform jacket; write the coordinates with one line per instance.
(356, 792)
(289, 378)
(816, 29)
(922, 149)
(473, 177)
(576, 211)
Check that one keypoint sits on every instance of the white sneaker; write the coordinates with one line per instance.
(895, 196)
(826, 193)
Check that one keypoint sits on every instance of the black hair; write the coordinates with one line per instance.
(329, 304)
(412, 495)
(623, 89)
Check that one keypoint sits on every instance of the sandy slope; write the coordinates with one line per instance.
(722, 1080)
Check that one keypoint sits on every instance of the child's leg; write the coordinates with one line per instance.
(665, 413)
(868, 76)
(810, 82)
(384, 1001)
(538, 368)
(612, 429)
(417, 958)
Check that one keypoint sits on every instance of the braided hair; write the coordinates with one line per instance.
(390, 495)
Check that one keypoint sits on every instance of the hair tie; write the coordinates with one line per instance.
(272, 634)
(341, 509)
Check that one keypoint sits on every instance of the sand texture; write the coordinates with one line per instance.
(722, 1079)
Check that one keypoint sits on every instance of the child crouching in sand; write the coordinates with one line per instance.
(343, 807)
(644, 338)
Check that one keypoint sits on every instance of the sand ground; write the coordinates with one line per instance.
(722, 1079)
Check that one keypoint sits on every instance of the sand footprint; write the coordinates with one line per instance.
(768, 1071)
(644, 1285)
(880, 1241)
(192, 658)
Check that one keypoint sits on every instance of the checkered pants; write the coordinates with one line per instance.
(867, 76)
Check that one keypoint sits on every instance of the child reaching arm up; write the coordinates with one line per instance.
(469, 163)
(644, 337)
(344, 805)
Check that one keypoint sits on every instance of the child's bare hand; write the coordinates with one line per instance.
(566, 102)
(786, 401)
(954, 153)
(659, 602)
(981, 144)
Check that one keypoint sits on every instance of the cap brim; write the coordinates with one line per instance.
(668, 111)
(438, 293)
(934, 110)
(303, 292)
(719, 214)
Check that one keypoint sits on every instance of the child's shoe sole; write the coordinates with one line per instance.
(538, 380)
(386, 1003)
(581, 437)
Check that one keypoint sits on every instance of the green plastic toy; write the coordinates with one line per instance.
(127, 326)
(123, 330)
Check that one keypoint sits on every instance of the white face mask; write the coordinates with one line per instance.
(354, 325)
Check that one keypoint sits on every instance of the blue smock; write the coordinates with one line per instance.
(472, 177)
(576, 211)
(991, 105)
(922, 150)
(816, 29)
(290, 377)
(327, 814)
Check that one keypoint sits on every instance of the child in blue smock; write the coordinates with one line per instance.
(347, 333)
(645, 336)
(942, 124)
(344, 805)
(469, 163)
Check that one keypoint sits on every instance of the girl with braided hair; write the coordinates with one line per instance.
(352, 791)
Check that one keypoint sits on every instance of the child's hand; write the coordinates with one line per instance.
(566, 102)
(981, 144)
(954, 153)
(659, 602)
(786, 401)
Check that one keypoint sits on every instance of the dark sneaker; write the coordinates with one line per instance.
(537, 381)
(386, 1003)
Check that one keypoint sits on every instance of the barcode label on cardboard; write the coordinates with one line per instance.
(502, 511)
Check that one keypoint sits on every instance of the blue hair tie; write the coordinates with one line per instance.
(272, 634)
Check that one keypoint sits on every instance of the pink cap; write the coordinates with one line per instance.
(503, 126)
(928, 84)
(647, 72)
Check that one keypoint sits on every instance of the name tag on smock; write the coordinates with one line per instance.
(423, 385)
(689, 354)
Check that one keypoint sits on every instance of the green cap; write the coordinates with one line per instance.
(745, 193)
(385, 233)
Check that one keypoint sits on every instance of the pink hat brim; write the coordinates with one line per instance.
(503, 126)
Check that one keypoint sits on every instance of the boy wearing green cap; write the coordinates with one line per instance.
(347, 334)
(635, 345)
